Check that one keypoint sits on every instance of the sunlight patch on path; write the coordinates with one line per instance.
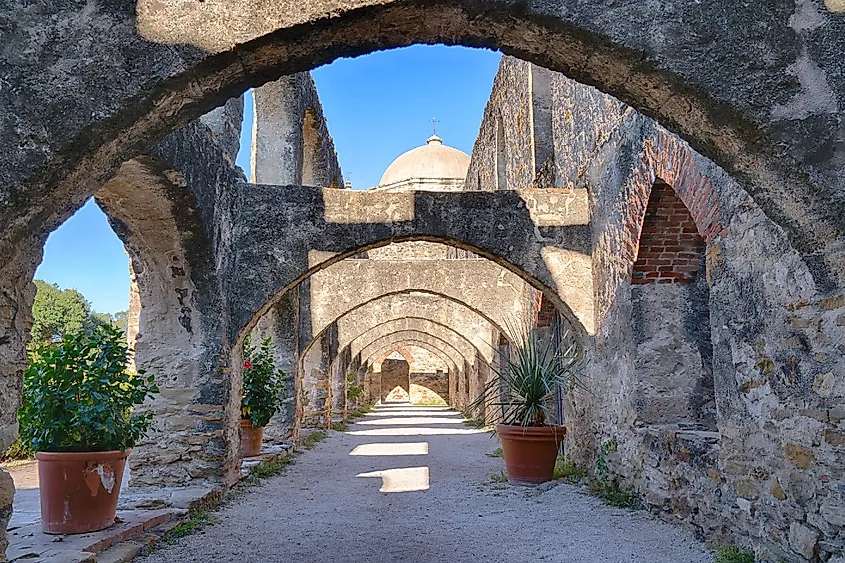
(409, 420)
(404, 480)
(419, 431)
(391, 448)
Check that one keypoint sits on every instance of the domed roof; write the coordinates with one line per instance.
(434, 160)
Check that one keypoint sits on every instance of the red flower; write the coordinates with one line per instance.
(247, 365)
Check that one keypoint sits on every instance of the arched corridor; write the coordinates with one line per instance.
(681, 243)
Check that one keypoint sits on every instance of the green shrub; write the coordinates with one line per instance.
(78, 395)
(734, 554)
(263, 390)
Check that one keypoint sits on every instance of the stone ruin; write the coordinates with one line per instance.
(671, 202)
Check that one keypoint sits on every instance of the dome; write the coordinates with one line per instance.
(432, 161)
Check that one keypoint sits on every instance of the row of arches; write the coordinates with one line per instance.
(772, 260)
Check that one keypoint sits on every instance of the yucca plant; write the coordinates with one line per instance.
(527, 377)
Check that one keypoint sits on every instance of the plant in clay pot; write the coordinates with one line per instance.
(78, 418)
(522, 391)
(263, 393)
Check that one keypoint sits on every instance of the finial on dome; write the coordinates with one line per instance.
(434, 140)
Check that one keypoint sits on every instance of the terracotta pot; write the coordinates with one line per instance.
(530, 452)
(251, 438)
(79, 490)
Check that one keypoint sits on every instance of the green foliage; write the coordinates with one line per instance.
(733, 554)
(78, 395)
(500, 478)
(339, 426)
(18, 450)
(360, 411)
(565, 468)
(498, 452)
(608, 490)
(353, 391)
(313, 439)
(263, 390)
(57, 312)
(527, 378)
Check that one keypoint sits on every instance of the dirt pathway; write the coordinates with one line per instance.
(437, 503)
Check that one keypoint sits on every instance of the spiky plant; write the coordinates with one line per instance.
(527, 377)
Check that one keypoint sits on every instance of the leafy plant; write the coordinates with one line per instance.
(526, 379)
(353, 391)
(498, 452)
(78, 395)
(734, 554)
(263, 390)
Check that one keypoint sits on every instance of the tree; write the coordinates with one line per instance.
(121, 320)
(58, 312)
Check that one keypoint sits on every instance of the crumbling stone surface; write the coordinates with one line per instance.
(768, 206)
(291, 143)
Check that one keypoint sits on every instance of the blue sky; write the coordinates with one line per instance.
(377, 107)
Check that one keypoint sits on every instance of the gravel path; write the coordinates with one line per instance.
(436, 506)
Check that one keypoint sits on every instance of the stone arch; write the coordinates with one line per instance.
(444, 333)
(721, 118)
(379, 345)
(173, 293)
(290, 140)
(372, 377)
(410, 305)
(480, 285)
(546, 240)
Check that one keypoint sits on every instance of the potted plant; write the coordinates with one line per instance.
(77, 416)
(263, 393)
(523, 388)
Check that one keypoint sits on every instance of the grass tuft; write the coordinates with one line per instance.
(478, 423)
(734, 554)
(566, 469)
(313, 439)
(614, 495)
(197, 519)
(496, 453)
(340, 426)
(500, 478)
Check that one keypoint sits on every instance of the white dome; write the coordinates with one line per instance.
(433, 161)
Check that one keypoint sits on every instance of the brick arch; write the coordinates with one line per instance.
(670, 160)
(401, 350)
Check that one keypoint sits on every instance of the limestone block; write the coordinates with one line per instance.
(803, 540)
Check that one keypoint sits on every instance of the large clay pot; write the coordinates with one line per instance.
(79, 490)
(251, 438)
(530, 452)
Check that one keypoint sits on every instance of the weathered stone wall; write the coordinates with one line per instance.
(503, 155)
(291, 143)
(749, 479)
